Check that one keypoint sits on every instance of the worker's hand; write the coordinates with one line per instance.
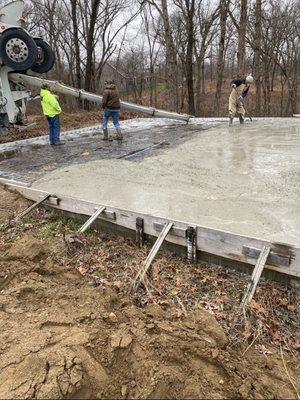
(233, 85)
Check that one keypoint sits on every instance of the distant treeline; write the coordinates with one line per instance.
(190, 48)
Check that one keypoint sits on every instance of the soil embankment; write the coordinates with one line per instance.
(69, 330)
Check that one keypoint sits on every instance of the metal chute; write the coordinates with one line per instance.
(95, 98)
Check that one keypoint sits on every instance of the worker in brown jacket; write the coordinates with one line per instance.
(111, 106)
(240, 88)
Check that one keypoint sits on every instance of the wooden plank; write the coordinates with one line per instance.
(274, 258)
(91, 220)
(176, 231)
(249, 293)
(107, 214)
(140, 277)
(32, 207)
(220, 243)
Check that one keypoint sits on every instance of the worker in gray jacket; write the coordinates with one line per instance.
(240, 89)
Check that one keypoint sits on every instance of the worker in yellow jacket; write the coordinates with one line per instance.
(51, 110)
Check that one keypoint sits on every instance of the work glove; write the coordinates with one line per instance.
(233, 85)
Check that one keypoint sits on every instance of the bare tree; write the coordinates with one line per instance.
(242, 37)
(193, 45)
(187, 8)
(171, 54)
(152, 32)
(257, 53)
(74, 10)
(221, 53)
(205, 34)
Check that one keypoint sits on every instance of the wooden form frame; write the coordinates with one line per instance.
(283, 258)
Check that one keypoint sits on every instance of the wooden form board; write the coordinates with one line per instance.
(212, 241)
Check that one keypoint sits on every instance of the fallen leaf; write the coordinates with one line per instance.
(81, 270)
(297, 345)
(262, 349)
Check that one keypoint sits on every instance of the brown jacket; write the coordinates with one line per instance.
(111, 97)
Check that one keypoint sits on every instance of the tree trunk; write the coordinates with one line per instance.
(257, 54)
(76, 42)
(171, 58)
(220, 62)
(90, 65)
(242, 38)
(198, 87)
(190, 7)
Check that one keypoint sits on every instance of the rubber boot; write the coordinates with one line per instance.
(105, 134)
(119, 135)
(241, 118)
(230, 120)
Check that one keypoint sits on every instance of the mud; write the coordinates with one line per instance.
(243, 179)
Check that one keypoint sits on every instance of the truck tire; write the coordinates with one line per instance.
(18, 50)
(46, 57)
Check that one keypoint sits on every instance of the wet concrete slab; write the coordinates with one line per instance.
(243, 179)
(240, 179)
(29, 160)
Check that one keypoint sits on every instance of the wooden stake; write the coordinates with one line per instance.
(191, 242)
(32, 207)
(91, 220)
(249, 293)
(157, 245)
(140, 235)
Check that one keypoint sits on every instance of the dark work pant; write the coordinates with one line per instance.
(54, 129)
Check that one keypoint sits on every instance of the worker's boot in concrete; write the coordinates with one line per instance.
(119, 135)
(241, 118)
(105, 134)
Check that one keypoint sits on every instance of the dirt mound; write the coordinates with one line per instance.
(10, 203)
(64, 335)
(61, 337)
(27, 247)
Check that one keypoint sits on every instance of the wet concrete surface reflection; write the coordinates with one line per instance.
(244, 179)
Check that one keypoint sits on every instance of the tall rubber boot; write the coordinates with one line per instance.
(119, 135)
(230, 120)
(241, 118)
(105, 134)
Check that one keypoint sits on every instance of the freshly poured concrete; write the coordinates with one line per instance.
(243, 179)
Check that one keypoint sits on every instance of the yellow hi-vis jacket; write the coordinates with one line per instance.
(50, 104)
